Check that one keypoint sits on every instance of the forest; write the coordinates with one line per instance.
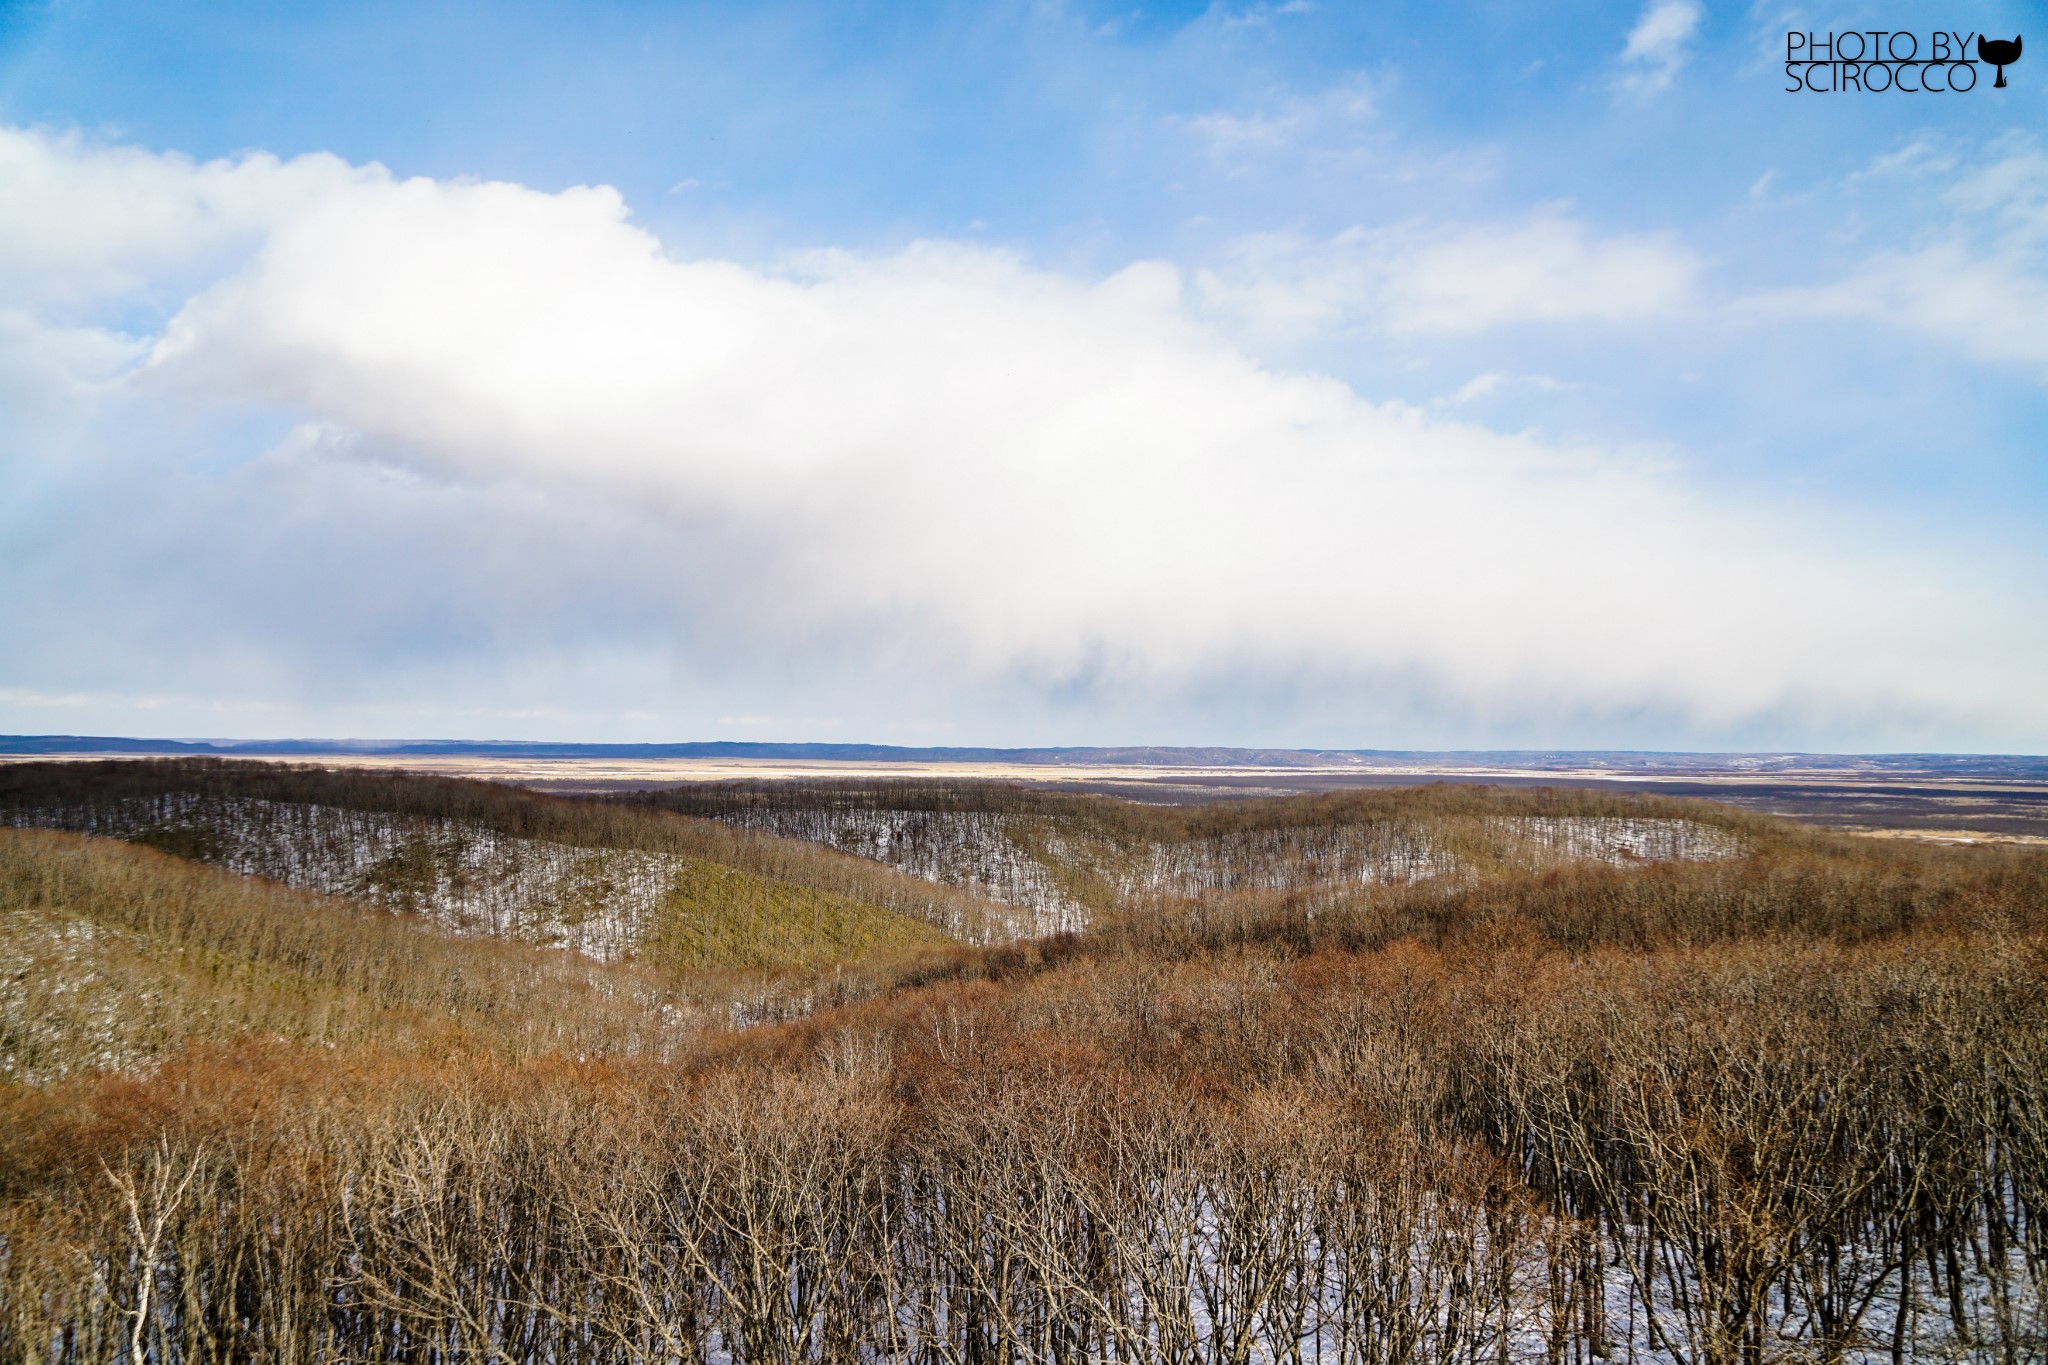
(300, 1064)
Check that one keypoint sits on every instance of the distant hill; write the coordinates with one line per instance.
(1634, 763)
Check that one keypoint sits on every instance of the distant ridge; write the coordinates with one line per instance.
(2009, 766)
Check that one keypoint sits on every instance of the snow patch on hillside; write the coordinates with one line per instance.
(1290, 859)
(1610, 839)
(1031, 862)
(470, 880)
(977, 850)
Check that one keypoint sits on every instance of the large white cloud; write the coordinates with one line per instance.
(951, 463)
(80, 221)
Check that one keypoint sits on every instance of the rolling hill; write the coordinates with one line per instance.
(300, 1065)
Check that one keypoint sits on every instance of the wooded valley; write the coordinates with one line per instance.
(303, 1065)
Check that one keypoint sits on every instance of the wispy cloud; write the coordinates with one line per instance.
(1979, 278)
(1659, 45)
(1493, 382)
(1437, 279)
(1285, 122)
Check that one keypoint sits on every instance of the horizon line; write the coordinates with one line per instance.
(1135, 755)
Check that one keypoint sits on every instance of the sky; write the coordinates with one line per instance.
(1304, 374)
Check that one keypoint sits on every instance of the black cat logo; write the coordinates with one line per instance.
(1998, 53)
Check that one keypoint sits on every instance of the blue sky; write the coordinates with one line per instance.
(1311, 374)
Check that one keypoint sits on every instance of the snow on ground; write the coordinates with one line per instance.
(1290, 859)
(473, 881)
(58, 1011)
(1027, 861)
(978, 850)
(596, 901)
(1611, 839)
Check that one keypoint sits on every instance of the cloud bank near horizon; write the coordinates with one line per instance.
(477, 449)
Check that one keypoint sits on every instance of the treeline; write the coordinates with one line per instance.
(1829, 887)
(1132, 822)
(1363, 867)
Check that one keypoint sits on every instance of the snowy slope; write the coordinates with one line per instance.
(470, 880)
(1034, 861)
